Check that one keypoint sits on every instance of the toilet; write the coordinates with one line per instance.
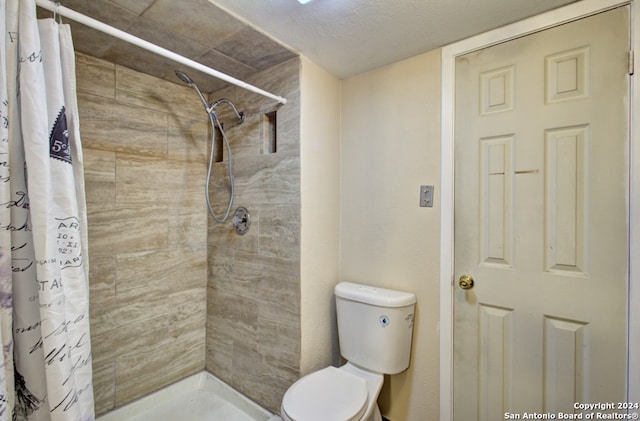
(375, 328)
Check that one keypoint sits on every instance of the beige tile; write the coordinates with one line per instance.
(103, 344)
(136, 7)
(243, 137)
(229, 92)
(102, 284)
(280, 231)
(219, 353)
(100, 177)
(237, 313)
(140, 89)
(188, 227)
(267, 279)
(288, 127)
(125, 230)
(146, 28)
(279, 378)
(160, 302)
(151, 180)
(254, 376)
(134, 58)
(110, 125)
(189, 138)
(140, 306)
(252, 48)
(248, 366)
(102, 305)
(139, 334)
(282, 79)
(220, 265)
(222, 63)
(105, 11)
(268, 180)
(188, 313)
(160, 312)
(104, 386)
(278, 337)
(95, 76)
(151, 368)
(199, 19)
(163, 271)
(91, 41)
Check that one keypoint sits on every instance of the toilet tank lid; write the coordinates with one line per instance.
(374, 295)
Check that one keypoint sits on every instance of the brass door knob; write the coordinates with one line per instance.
(465, 282)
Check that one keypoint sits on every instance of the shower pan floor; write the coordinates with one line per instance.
(201, 397)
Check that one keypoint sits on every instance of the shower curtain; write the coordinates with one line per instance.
(45, 369)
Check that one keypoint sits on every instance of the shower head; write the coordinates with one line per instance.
(186, 79)
(183, 77)
(210, 108)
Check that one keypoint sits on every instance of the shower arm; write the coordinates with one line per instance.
(239, 114)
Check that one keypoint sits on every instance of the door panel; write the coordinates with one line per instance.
(541, 220)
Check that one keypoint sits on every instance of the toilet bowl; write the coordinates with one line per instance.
(347, 393)
(375, 328)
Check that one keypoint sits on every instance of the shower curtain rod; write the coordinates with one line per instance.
(102, 27)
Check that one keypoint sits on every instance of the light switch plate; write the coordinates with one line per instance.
(426, 196)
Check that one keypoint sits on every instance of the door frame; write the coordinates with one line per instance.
(534, 24)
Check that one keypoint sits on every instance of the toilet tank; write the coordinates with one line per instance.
(375, 326)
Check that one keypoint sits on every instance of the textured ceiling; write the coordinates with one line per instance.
(350, 37)
(238, 37)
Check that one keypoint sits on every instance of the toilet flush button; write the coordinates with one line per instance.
(384, 321)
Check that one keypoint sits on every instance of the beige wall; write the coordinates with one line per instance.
(144, 172)
(320, 194)
(391, 146)
(253, 294)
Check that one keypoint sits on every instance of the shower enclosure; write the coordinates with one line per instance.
(172, 293)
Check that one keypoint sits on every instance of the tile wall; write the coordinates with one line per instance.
(253, 294)
(144, 159)
(171, 292)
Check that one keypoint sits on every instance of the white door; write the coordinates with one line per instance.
(541, 221)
